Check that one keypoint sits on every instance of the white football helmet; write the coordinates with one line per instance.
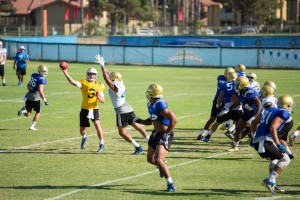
(1, 44)
(43, 70)
(89, 72)
(154, 91)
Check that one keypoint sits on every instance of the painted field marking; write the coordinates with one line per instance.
(139, 175)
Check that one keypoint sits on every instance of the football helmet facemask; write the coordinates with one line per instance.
(267, 90)
(252, 76)
(89, 73)
(43, 70)
(227, 70)
(286, 102)
(231, 76)
(271, 83)
(154, 91)
(115, 76)
(241, 83)
(240, 68)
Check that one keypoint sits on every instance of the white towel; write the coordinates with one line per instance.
(90, 114)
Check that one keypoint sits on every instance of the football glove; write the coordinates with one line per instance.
(136, 119)
(248, 123)
(100, 60)
(223, 112)
(45, 101)
(281, 148)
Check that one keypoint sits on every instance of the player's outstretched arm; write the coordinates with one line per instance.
(70, 79)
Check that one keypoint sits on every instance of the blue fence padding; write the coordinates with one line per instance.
(239, 41)
(201, 42)
(247, 56)
(279, 57)
(252, 57)
(48, 39)
(138, 56)
(86, 53)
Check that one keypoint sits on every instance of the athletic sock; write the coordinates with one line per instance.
(134, 143)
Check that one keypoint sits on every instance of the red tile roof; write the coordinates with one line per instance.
(24, 7)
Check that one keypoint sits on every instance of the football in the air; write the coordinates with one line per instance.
(63, 65)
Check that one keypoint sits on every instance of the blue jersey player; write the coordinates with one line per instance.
(20, 61)
(232, 109)
(164, 121)
(34, 95)
(267, 143)
(252, 108)
(215, 109)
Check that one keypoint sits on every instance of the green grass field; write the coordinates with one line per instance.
(49, 164)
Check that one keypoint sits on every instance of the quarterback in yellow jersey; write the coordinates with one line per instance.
(92, 92)
(89, 90)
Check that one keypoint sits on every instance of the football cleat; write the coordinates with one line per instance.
(20, 112)
(83, 143)
(4, 84)
(171, 187)
(291, 156)
(229, 134)
(234, 148)
(101, 148)
(291, 141)
(200, 137)
(31, 128)
(278, 189)
(138, 150)
(269, 185)
(207, 138)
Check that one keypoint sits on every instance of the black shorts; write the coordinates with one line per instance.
(21, 71)
(124, 119)
(35, 105)
(234, 115)
(155, 139)
(283, 133)
(84, 121)
(2, 70)
(271, 151)
(215, 111)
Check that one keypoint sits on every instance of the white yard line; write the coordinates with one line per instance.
(138, 175)
(276, 197)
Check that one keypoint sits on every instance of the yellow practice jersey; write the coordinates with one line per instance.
(89, 97)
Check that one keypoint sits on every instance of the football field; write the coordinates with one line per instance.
(49, 164)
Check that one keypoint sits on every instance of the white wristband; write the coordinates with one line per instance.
(44, 99)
